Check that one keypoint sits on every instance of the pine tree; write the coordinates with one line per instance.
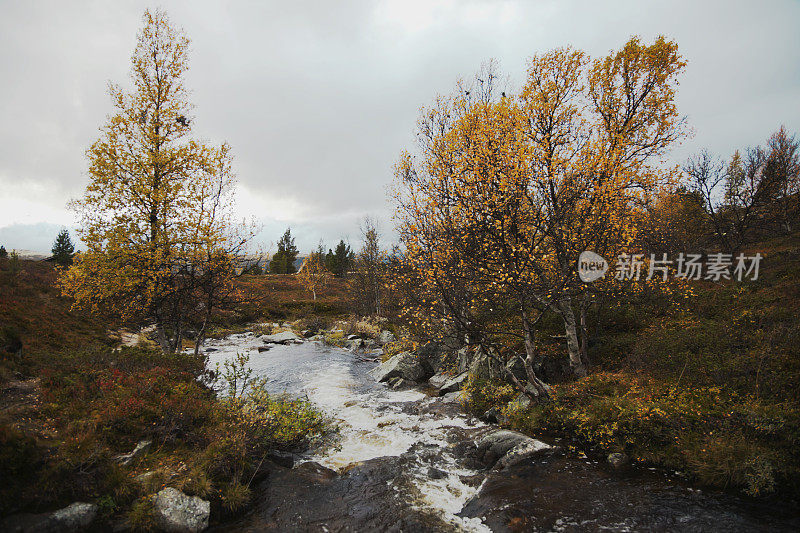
(3, 252)
(63, 249)
(283, 260)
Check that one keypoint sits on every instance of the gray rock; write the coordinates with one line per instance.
(284, 337)
(354, 344)
(435, 473)
(617, 460)
(495, 445)
(400, 384)
(368, 344)
(517, 368)
(439, 379)
(386, 337)
(141, 448)
(453, 384)
(353, 337)
(179, 513)
(404, 365)
(75, 517)
(522, 452)
(523, 401)
(455, 397)
(266, 348)
(431, 355)
(485, 367)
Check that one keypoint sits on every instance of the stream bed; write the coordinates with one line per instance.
(398, 464)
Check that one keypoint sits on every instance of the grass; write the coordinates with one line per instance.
(72, 402)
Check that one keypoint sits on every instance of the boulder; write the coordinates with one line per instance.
(485, 367)
(517, 368)
(177, 512)
(284, 337)
(496, 445)
(141, 448)
(459, 397)
(386, 337)
(617, 460)
(522, 452)
(453, 384)
(354, 344)
(439, 379)
(400, 383)
(523, 401)
(403, 365)
(431, 355)
(75, 517)
(353, 337)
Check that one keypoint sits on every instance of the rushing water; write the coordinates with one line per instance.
(396, 467)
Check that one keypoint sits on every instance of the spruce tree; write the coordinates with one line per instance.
(63, 249)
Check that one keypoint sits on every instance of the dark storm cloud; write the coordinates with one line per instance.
(318, 99)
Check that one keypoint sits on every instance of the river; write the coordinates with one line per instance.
(398, 465)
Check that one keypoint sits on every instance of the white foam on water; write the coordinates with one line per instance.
(371, 419)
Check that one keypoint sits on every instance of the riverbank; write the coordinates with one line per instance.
(96, 430)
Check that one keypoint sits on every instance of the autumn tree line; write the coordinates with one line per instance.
(503, 191)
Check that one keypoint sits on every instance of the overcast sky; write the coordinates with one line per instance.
(319, 98)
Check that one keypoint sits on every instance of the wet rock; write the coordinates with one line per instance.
(314, 472)
(618, 460)
(285, 337)
(522, 452)
(435, 473)
(386, 337)
(404, 365)
(141, 448)
(490, 416)
(283, 459)
(266, 348)
(209, 350)
(177, 512)
(453, 384)
(473, 480)
(495, 445)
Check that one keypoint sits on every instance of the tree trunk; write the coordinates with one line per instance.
(584, 331)
(540, 386)
(564, 308)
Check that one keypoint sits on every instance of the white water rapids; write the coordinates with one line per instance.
(372, 422)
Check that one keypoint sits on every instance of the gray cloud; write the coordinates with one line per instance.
(319, 98)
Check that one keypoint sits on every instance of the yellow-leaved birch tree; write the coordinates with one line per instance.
(506, 191)
(156, 214)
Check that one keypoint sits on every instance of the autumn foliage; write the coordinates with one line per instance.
(506, 190)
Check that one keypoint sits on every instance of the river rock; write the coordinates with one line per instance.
(284, 337)
(431, 356)
(453, 384)
(141, 448)
(617, 460)
(403, 365)
(179, 513)
(495, 445)
(522, 452)
(439, 379)
(517, 368)
(386, 337)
